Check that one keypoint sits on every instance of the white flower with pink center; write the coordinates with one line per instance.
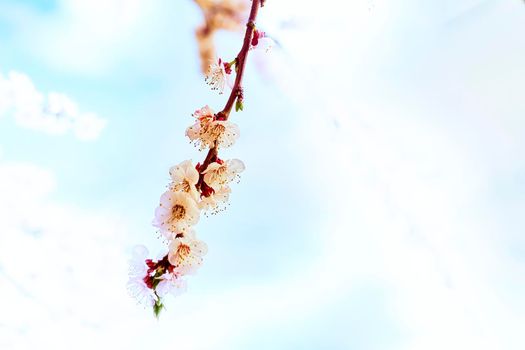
(208, 130)
(221, 173)
(204, 117)
(218, 75)
(197, 132)
(224, 132)
(176, 213)
(184, 177)
(186, 252)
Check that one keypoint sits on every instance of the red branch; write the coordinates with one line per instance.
(237, 86)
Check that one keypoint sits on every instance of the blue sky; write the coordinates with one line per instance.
(382, 205)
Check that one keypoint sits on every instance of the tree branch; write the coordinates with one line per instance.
(237, 86)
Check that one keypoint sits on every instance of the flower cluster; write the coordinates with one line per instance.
(193, 189)
(150, 280)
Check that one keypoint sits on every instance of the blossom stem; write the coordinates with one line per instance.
(237, 86)
(241, 59)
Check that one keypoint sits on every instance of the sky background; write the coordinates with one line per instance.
(383, 204)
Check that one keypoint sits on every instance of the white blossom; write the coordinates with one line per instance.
(208, 130)
(218, 75)
(138, 289)
(222, 131)
(137, 271)
(184, 177)
(218, 174)
(186, 252)
(176, 213)
(195, 132)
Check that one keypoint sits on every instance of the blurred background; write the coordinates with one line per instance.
(383, 204)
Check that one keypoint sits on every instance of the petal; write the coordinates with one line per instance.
(212, 167)
(185, 165)
(190, 234)
(167, 199)
(236, 165)
(206, 111)
(193, 131)
(192, 175)
(176, 173)
(199, 247)
(160, 215)
(172, 257)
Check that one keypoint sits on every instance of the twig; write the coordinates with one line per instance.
(237, 86)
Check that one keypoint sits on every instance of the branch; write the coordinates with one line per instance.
(241, 59)
(237, 86)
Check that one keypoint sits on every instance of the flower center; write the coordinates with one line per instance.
(220, 171)
(217, 130)
(183, 251)
(178, 211)
(218, 175)
(183, 186)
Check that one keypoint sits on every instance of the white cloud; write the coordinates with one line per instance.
(57, 114)
(62, 269)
